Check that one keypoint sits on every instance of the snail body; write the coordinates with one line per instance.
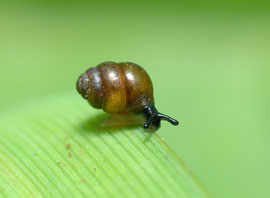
(120, 88)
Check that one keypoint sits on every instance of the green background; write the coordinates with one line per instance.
(209, 63)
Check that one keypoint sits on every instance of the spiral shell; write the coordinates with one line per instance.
(116, 87)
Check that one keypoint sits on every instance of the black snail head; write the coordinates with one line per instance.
(120, 88)
(153, 118)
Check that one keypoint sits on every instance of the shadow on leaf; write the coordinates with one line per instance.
(112, 123)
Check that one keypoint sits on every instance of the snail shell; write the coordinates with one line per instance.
(117, 87)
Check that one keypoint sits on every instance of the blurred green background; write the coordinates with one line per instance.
(209, 62)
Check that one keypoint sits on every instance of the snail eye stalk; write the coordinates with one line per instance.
(168, 118)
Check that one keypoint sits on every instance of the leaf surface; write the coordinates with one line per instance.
(61, 148)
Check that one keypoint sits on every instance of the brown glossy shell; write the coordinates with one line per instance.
(116, 87)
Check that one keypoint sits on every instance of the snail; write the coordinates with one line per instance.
(120, 88)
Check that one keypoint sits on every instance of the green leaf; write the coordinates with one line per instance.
(61, 148)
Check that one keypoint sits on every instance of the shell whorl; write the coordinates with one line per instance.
(82, 85)
(89, 85)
